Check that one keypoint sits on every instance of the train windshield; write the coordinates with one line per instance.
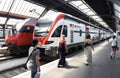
(12, 31)
(42, 28)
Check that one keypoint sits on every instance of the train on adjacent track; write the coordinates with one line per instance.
(48, 30)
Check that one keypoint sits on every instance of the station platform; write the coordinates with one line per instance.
(102, 66)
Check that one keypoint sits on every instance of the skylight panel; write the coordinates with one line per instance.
(77, 3)
(5, 4)
(117, 13)
(36, 13)
(99, 19)
(17, 9)
(2, 4)
(23, 8)
(26, 12)
(83, 6)
(90, 13)
(2, 20)
(12, 21)
(86, 10)
(95, 17)
(117, 10)
(117, 7)
(104, 24)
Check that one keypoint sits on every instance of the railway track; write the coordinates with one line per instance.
(16, 70)
(4, 57)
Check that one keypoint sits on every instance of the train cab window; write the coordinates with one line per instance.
(26, 29)
(42, 28)
(65, 30)
(57, 32)
(12, 31)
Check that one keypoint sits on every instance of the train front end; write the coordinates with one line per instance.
(45, 33)
(19, 40)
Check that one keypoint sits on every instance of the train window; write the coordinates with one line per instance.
(71, 37)
(65, 30)
(57, 32)
(12, 31)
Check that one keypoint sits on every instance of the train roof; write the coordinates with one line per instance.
(82, 21)
(79, 20)
(52, 17)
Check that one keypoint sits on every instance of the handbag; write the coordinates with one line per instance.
(37, 75)
(117, 48)
(25, 66)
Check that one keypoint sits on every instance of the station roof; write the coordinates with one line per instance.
(13, 11)
(107, 10)
(104, 13)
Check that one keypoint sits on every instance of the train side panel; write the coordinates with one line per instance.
(76, 34)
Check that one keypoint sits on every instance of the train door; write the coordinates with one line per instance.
(82, 32)
(65, 30)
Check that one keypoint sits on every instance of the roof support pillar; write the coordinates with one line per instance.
(115, 1)
(44, 12)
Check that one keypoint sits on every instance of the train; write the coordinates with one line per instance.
(48, 30)
(19, 38)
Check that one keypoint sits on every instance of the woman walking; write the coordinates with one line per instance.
(87, 50)
(114, 45)
(62, 51)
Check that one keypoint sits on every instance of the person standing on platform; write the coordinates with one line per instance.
(114, 45)
(88, 49)
(34, 63)
(62, 49)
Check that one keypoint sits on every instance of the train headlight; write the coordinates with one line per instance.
(49, 42)
(13, 43)
(48, 51)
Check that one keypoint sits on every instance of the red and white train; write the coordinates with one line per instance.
(48, 31)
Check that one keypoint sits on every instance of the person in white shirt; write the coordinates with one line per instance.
(114, 45)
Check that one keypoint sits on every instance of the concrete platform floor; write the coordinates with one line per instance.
(102, 66)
